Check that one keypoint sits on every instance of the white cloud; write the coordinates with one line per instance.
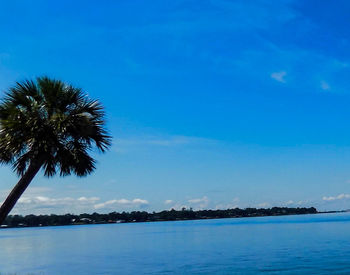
(339, 197)
(179, 206)
(122, 202)
(85, 199)
(325, 86)
(263, 205)
(47, 205)
(279, 76)
(196, 200)
(44, 201)
(140, 201)
(168, 201)
(226, 206)
(29, 193)
(200, 202)
(24, 200)
(230, 205)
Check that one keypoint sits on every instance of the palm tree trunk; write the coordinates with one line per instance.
(18, 190)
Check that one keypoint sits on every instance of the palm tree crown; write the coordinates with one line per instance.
(52, 123)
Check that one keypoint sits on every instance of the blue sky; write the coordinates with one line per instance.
(212, 104)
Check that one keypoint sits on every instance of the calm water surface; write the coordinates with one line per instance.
(307, 244)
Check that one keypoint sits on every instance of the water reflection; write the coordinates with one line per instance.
(291, 244)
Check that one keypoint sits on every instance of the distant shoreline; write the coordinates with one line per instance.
(18, 221)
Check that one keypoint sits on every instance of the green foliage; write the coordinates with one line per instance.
(142, 216)
(49, 120)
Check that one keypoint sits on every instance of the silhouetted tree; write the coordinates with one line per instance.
(50, 125)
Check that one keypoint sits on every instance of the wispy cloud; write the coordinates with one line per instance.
(230, 205)
(279, 76)
(325, 86)
(46, 201)
(168, 201)
(32, 191)
(307, 69)
(122, 203)
(339, 197)
(263, 205)
(160, 141)
(36, 201)
(126, 144)
(46, 205)
(199, 202)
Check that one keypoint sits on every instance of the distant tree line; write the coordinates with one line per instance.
(142, 216)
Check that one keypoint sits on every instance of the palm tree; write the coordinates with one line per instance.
(50, 125)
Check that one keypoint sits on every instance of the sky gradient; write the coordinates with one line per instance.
(211, 104)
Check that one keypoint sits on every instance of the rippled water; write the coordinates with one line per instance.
(307, 244)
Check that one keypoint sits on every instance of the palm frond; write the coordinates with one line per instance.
(55, 121)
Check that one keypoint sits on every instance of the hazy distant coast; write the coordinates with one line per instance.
(142, 216)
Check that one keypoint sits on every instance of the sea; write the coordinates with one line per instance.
(302, 244)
